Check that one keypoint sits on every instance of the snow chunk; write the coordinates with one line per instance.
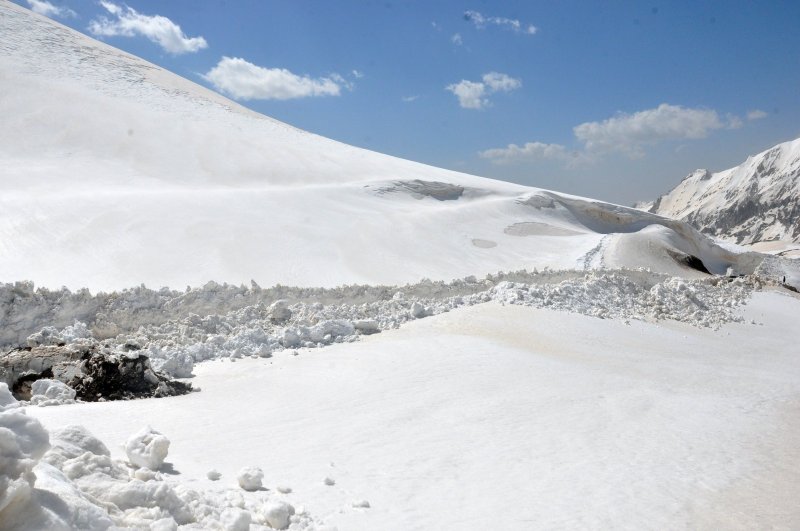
(147, 449)
(361, 504)
(278, 514)
(235, 519)
(23, 441)
(46, 392)
(329, 481)
(213, 475)
(250, 478)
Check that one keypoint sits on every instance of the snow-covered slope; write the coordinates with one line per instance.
(757, 201)
(116, 172)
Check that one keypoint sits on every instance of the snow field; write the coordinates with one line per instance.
(505, 417)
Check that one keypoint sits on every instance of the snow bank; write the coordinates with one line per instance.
(176, 330)
(67, 480)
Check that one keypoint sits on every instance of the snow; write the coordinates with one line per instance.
(753, 203)
(148, 178)
(508, 416)
(250, 478)
(147, 449)
(47, 392)
(602, 381)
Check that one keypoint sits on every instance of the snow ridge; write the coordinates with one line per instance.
(177, 330)
(756, 201)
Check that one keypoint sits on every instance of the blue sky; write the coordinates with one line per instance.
(613, 100)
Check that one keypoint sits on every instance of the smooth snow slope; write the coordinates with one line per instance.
(504, 417)
(116, 172)
(757, 201)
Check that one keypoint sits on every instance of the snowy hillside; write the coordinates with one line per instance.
(116, 172)
(757, 201)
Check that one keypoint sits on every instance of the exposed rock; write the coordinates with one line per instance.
(123, 377)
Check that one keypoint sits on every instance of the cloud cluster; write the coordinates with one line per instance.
(625, 133)
(756, 114)
(243, 80)
(480, 22)
(629, 133)
(127, 22)
(43, 7)
(474, 94)
(531, 150)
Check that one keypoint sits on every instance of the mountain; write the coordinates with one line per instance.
(755, 202)
(116, 172)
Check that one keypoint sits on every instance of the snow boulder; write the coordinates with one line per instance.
(367, 326)
(235, 519)
(250, 478)
(279, 311)
(47, 392)
(278, 514)
(147, 449)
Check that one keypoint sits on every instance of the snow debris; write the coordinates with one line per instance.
(250, 478)
(175, 330)
(283, 489)
(213, 475)
(329, 481)
(361, 504)
(46, 392)
(147, 449)
(79, 486)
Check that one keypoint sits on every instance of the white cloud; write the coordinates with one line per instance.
(127, 22)
(498, 82)
(756, 114)
(357, 74)
(480, 22)
(409, 99)
(626, 133)
(629, 133)
(245, 81)
(43, 7)
(529, 151)
(474, 94)
(456, 39)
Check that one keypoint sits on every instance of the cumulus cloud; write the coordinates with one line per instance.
(43, 7)
(127, 22)
(530, 151)
(474, 94)
(625, 133)
(756, 114)
(243, 80)
(629, 133)
(480, 22)
(456, 39)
